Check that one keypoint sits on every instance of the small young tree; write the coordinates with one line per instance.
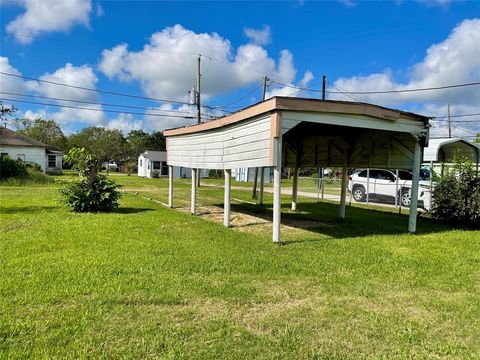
(456, 196)
(95, 192)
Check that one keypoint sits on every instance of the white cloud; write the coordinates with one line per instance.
(259, 36)
(456, 60)
(441, 3)
(82, 76)
(48, 16)
(290, 88)
(125, 123)
(348, 3)
(179, 116)
(113, 61)
(10, 83)
(166, 66)
(99, 10)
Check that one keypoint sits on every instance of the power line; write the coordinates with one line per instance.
(460, 121)
(456, 115)
(95, 90)
(91, 102)
(90, 109)
(344, 93)
(461, 137)
(381, 92)
(238, 100)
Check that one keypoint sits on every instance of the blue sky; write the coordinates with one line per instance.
(148, 49)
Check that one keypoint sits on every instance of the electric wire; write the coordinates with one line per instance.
(93, 109)
(238, 100)
(94, 90)
(92, 102)
(381, 92)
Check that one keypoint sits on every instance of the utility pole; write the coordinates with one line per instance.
(449, 123)
(199, 112)
(255, 176)
(265, 79)
(324, 85)
(199, 116)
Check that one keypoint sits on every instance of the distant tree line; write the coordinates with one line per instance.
(104, 144)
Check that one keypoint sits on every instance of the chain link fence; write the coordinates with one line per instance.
(374, 187)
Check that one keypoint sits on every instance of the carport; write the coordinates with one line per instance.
(294, 132)
(443, 150)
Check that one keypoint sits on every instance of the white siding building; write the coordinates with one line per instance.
(248, 174)
(154, 164)
(31, 151)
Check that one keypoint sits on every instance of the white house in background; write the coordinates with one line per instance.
(31, 151)
(247, 174)
(152, 163)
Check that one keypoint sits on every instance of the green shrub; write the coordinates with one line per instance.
(101, 195)
(456, 196)
(10, 168)
(212, 173)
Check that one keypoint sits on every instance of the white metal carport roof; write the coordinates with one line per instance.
(297, 132)
(444, 150)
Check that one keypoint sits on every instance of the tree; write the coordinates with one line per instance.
(477, 139)
(6, 112)
(157, 142)
(138, 142)
(103, 144)
(456, 195)
(95, 193)
(46, 131)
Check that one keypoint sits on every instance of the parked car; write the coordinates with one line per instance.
(383, 183)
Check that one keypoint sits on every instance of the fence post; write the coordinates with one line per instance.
(368, 184)
(323, 184)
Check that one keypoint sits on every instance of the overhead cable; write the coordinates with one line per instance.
(102, 110)
(92, 102)
(95, 90)
(380, 92)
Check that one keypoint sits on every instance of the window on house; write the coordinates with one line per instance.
(141, 163)
(52, 161)
(164, 170)
(21, 157)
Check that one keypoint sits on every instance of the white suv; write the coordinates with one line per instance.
(383, 183)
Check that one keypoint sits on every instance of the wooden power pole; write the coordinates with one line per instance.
(199, 115)
(324, 85)
(255, 176)
(449, 123)
(199, 112)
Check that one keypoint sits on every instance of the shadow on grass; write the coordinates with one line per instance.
(36, 209)
(129, 210)
(26, 209)
(323, 218)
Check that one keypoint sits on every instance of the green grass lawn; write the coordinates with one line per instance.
(150, 282)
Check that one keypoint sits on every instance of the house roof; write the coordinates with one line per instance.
(299, 104)
(12, 138)
(155, 155)
(431, 153)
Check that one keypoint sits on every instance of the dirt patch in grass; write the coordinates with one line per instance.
(248, 222)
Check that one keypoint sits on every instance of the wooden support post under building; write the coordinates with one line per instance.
(295, 189)
(412, 217)
(170, 186)
(262, 185)
(277, 190)
(226, 200)
(343, 193)
(194, 191)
